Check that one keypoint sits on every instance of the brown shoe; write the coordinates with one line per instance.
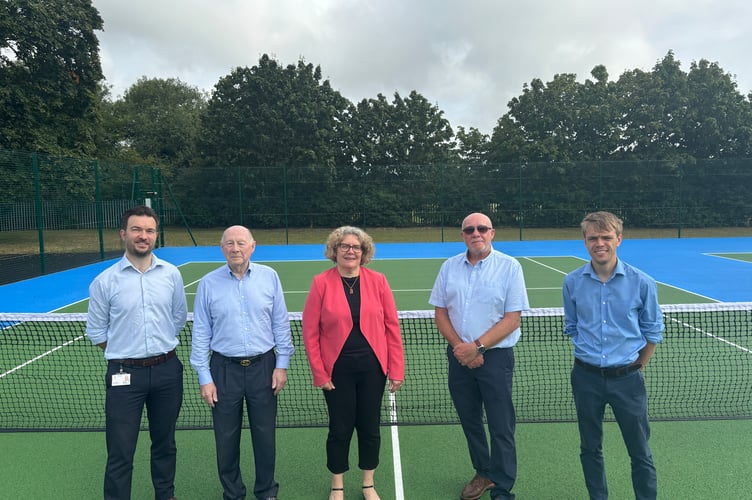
(476, 487)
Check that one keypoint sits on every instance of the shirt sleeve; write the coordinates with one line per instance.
(651, 317)
(517, 292)
(281, 326)
(98, 315)
(179, 305)
(202, 333)
(570, 311)
(438, 292)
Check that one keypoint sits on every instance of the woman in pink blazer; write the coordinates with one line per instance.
(353, 343)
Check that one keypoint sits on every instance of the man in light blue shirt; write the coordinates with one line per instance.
(240, 319)
(479, 296)
(612, 315)
(137, 307)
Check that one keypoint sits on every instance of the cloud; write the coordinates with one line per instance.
(468, 57)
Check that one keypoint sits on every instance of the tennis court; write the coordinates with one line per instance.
(427, 461)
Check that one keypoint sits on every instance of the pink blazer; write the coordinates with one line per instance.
(327, 323)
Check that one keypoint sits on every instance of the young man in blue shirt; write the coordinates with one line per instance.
(137, 308)
(612, 315)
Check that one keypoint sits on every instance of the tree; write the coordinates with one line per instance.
(272, 134)
(719, 121)
(654, 109)
(157, 121)
(401, 150)
(472, 145)
(49, 75)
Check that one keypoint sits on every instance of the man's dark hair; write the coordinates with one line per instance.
(139, 211)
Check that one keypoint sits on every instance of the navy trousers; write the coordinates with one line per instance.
(628, 399)
(160, 389)
(237, 384)
(488, 387)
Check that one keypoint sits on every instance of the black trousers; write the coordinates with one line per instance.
(160, 389)
(251, 384)
(354, 404)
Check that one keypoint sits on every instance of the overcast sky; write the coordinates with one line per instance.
(469, 57)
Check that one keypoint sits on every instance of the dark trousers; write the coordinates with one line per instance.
(354, 404)
(628, 399)
(489, 387)
(251, 384)
(160, 389)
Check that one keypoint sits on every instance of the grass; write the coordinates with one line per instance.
(87, 240)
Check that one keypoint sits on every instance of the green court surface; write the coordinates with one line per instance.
(418, 462)
(743, 257)
(411, 281)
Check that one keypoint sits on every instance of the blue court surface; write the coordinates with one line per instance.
(690, 264)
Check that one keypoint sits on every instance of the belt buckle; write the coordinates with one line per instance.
(245, 362)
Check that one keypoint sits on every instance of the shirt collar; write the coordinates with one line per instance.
(125, 263)
(618, 270)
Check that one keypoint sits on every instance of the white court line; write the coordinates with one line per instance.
(711, 335)
(399, 489)
(547, 266)
(41, 356)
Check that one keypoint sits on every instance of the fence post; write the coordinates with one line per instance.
(240, 196)
(521, 209)
(287, 208)
(40, 216)
(98, 208)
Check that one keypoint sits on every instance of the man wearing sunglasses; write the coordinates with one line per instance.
(479, 296)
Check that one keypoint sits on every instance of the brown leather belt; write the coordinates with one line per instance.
(144, 362)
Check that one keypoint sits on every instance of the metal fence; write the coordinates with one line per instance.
(80, 200)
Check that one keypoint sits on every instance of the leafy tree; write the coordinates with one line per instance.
(654, 110)
(401, 151)
(719, 121)
(49, 73)
(540, 124)
(280, 131)
(472, 145)
(158, 121)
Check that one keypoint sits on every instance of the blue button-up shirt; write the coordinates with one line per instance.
(139, 315)
(239, 318)
(611, 322)
(477, 296)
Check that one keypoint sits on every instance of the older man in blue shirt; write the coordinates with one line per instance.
(613, 318)
(137, 307)
(479, 296)
(240, 319)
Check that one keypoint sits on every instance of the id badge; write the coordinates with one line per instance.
(121, 379)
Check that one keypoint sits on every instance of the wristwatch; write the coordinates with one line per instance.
(481, 347)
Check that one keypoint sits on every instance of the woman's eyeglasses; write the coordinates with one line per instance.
(346, 248)
(471, 229)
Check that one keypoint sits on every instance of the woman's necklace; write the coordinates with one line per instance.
(350, 285)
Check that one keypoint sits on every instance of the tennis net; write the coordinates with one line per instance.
(52, 377)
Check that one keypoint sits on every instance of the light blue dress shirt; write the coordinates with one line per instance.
(139, 315)
(610, 322)
(239, 318)
(477, 297)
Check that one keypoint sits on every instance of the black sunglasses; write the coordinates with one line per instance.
(471, 229)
